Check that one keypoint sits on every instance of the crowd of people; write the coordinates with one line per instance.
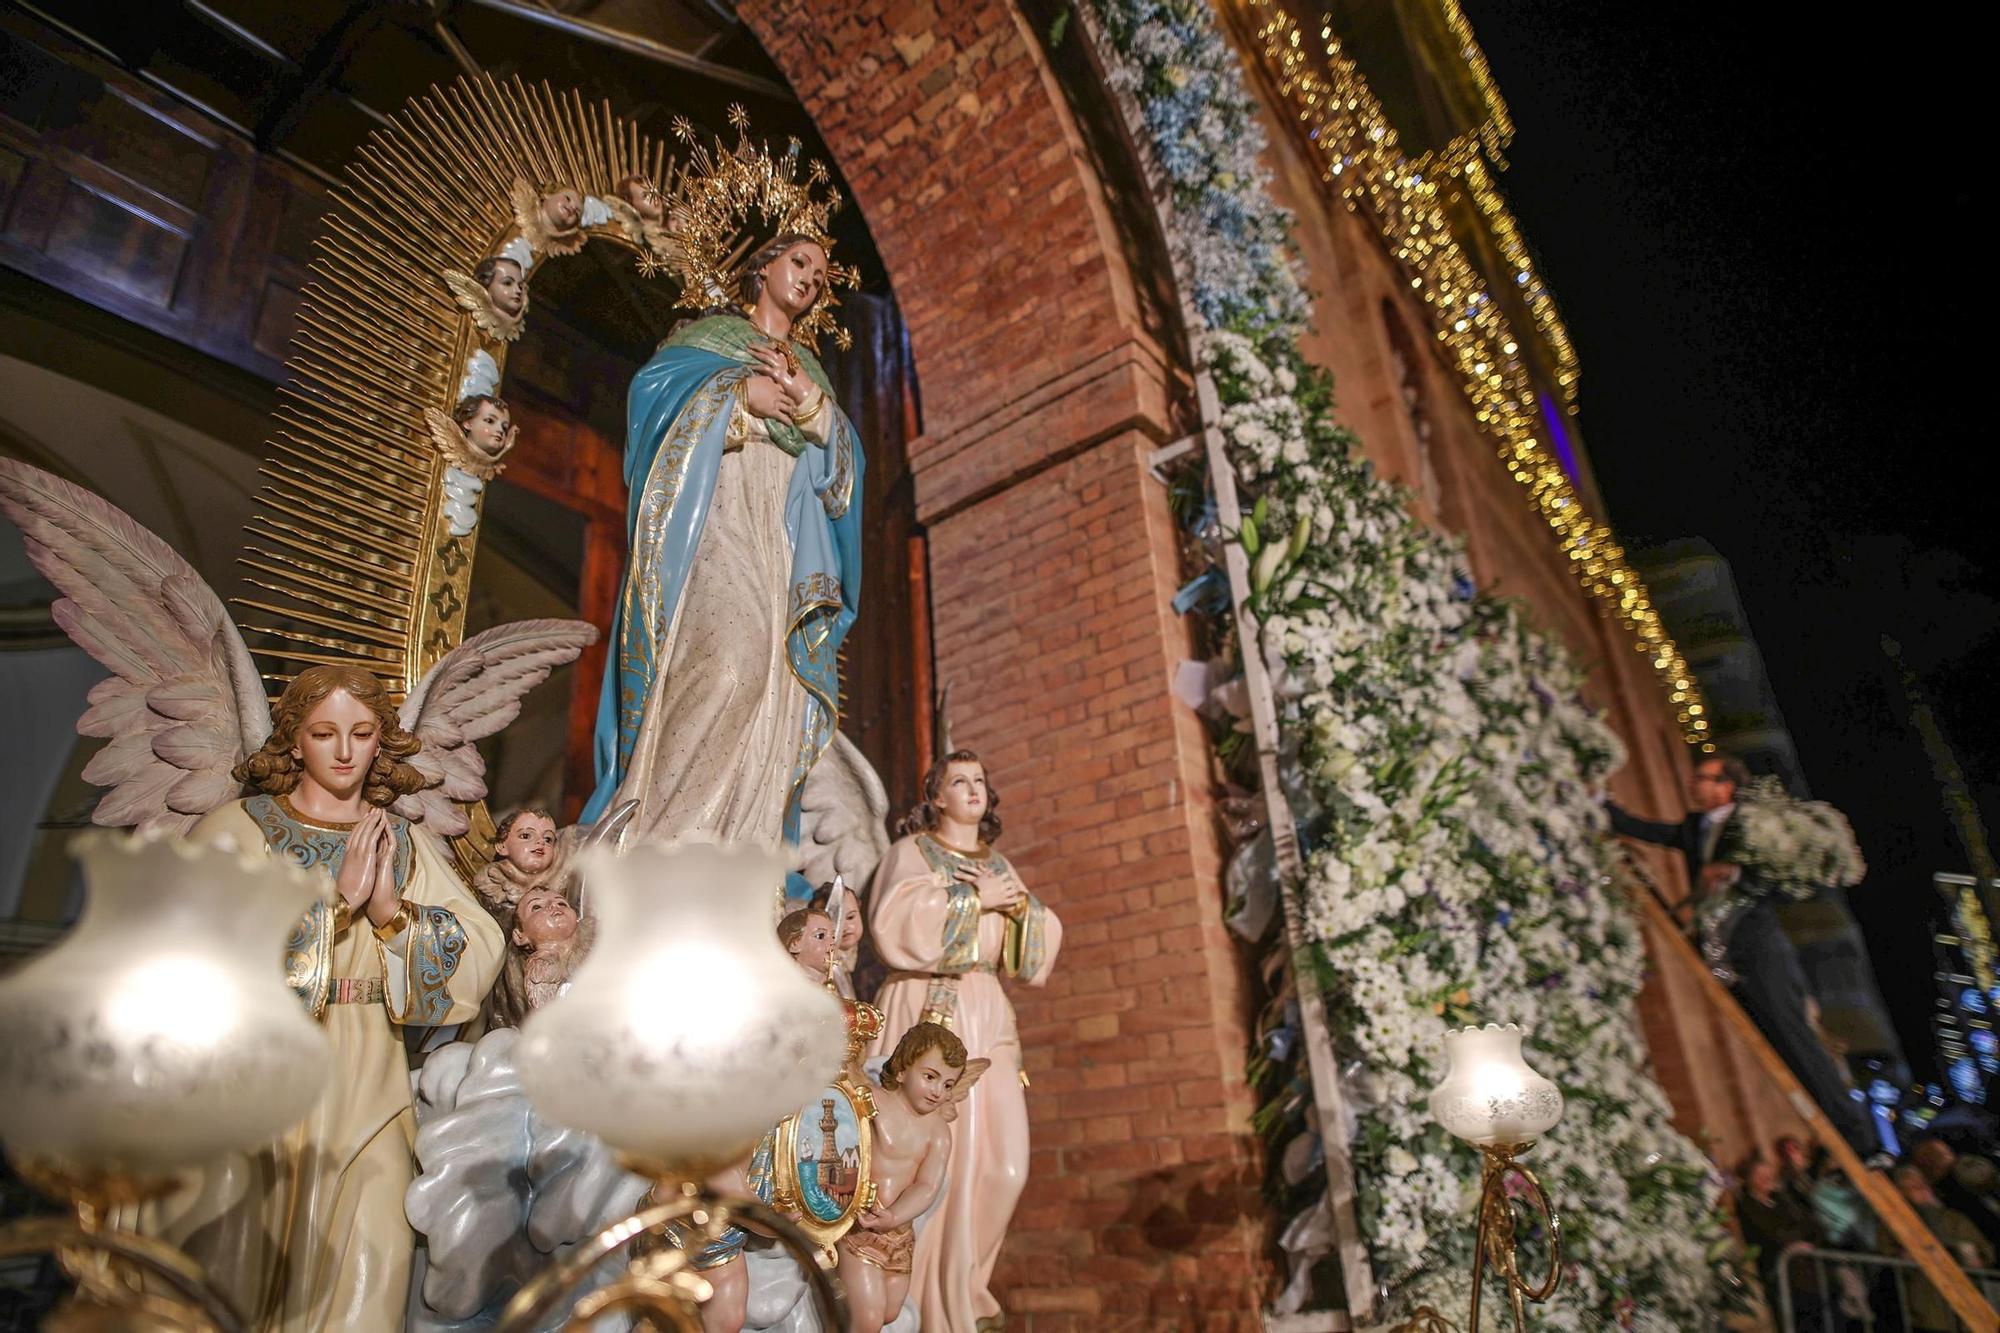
(1795, 1198)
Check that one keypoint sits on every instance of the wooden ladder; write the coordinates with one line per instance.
(1672, 950)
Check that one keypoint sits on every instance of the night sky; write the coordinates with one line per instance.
(1757, 226)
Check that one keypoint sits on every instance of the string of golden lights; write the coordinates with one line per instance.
(1364, 160)
(1496, 130)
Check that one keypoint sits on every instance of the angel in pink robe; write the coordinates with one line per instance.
(950, 918)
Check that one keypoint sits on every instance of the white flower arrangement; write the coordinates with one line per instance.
(1789, 847)
(1445, 769)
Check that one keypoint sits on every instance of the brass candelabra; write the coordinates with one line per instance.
(109, 1264)
(1496, 1243)
(1491, 1099)
(660, 1282)
(125, 1048)
(129, 1282)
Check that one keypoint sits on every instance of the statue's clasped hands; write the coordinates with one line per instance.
(367, 880)
(783, 392)
(997, 893)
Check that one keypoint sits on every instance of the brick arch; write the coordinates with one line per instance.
(1054, 558)
(963, 157)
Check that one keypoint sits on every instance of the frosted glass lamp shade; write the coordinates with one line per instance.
(1489, 1096)
(160, 1033)
(688, 1031)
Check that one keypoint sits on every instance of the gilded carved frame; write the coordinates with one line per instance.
(350, 545)
(361, 543)
(787, 1196)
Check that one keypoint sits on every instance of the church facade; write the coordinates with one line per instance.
(1030, 379)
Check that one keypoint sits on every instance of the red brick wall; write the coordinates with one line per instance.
(962, 157)
(1053, 559)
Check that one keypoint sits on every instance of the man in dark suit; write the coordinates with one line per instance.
(1769, 981)
(1712, 791)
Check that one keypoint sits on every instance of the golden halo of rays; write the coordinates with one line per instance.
(346, 548)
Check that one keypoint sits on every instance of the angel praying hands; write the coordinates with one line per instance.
(307, 1232)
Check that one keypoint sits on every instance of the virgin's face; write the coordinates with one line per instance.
(542, 918)
(795, 279)
(487, 431)
(563, 210)
(507, 292)
(337, 744)
(530, 843)
(962, 796)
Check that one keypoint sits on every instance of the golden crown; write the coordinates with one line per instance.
(718, 196)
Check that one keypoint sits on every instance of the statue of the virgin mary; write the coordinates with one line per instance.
(744, 567)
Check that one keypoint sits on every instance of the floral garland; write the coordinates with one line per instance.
(1789, 847)
(1444, 770)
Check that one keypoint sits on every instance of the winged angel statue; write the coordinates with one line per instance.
(309, 1232)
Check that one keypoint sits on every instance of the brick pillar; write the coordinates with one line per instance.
(1053, 560)
(1054, 626)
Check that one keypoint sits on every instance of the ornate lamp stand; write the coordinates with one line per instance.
(1491, 1099)
(660, 1282)
(126, 1052)
(110, 1265)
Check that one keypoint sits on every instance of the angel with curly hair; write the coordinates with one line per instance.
(307, 1232)
(402, 943)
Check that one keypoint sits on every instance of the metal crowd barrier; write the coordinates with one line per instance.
(1842, 1291)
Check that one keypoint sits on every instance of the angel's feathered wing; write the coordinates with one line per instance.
(451, 442)
(184, 703)
(527, 206)
(474, 691)
(967, 1078)
(843, 817)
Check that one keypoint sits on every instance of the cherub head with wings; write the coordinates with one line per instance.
(931, 1069)
(551, 218)
(478, 435)
(638, 193)
(640, 211)
(495, 294)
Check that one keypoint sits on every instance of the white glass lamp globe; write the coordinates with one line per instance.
(160, 1034)
(688, 1031)
(1489, 1097)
